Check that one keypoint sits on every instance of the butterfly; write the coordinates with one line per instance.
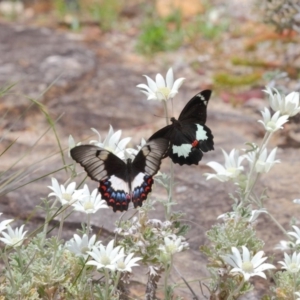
(189, 136)
(122, 181)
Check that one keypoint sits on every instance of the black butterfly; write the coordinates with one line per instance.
(189, 137)
(121, 182)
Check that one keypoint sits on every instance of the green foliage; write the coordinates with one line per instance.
(105, 12)
(227, 80)
(229, 234)
(43, 269)
(159, 34)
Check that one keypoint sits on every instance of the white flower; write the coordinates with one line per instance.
(112, 142)
(161, 89)
(295, 234)
(274, 123)
(298, 295)
(263, 164)
(285, 245)
(125, 265)
(105, 257)
(89, 203)
(247, 266)
(291, 263)
(3, 224)
(79, 246)
(232, 167)
(65, 195)
(249, 217)
(15, 237)
(172, 245)
(288, 105)
(71, 144)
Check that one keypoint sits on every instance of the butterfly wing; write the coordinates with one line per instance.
(189, 143)
(109, 170)
(195, 109)
(189, 136)
(145, 165)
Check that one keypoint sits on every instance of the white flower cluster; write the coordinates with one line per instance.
(81, 200)
(103, 257)
(12, 238)
(258, 158)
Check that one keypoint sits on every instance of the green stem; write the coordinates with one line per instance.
(279, 225)
(116, 281)
(7, 266)
(236, 291)
(61, 224)
(106, 296)
(88, 222)
(251, 183)
(167, 274)
(170, 191)
(20, 257)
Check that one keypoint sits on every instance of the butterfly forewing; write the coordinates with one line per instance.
(98, 162)
(195, 109)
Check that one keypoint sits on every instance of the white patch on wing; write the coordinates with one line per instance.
(201, 133)
(119, 184)
(202, 98)
(182, 150)
(138, 180)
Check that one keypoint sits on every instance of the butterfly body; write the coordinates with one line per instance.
(122, 181)
(189, 136)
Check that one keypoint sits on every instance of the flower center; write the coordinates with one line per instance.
(67, 196)
(88, 205)
(105, 260)
(247, 266)
(84, 249)
(171, 248)
(163, 93)
(121, 265)
(293, 268)
(271, 126)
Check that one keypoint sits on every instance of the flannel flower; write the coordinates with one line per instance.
(263, 163)
(295, 234)
(112, 142)
(3, 224)
(105, 257)
(246, 266)
(285, 245)
(273, 123)
(13, 238)
(291, 263)
(172, 245)
(287, 105)
(125, 264)
(65, 195)
(232, 167)
(161, 89)
(80, 246)
(249, 217)
(89, 203)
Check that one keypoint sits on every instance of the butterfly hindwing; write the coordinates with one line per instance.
(189, 136)
(109, 170)
(144, 166)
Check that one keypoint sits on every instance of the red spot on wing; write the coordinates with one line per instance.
(195, 143)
